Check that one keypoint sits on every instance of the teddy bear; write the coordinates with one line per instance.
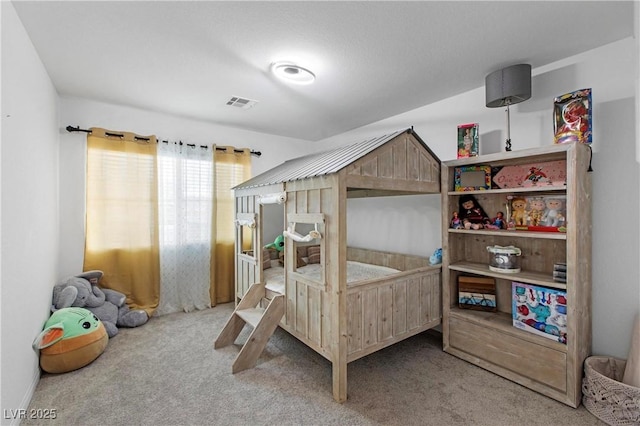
(108, 305)
(520, 213)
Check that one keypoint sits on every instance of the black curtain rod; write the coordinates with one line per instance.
(78, 129)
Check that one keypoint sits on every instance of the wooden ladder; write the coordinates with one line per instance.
(263, 320)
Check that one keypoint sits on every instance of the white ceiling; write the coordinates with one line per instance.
(373, 60)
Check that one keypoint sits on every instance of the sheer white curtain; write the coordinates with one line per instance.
(185, 197)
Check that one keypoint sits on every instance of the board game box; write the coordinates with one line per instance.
(540, 310)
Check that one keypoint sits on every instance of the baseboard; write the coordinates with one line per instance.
(26, 399)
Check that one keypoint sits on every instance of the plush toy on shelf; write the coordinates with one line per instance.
(519, 213)
(456, 222)
(471, 213)
(436, 257)
(497, 222)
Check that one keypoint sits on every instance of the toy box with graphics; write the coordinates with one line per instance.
(547, 213)
(572, 117)
(468, 140)
(540, 310)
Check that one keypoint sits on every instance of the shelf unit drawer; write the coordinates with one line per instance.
(536, 362)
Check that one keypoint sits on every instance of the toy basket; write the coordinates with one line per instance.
(605, 396)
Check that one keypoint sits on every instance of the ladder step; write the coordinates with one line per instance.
(263, 320)
(251, 316)
(236, 323)
(257, 340)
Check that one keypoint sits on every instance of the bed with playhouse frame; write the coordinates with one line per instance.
(341, 317)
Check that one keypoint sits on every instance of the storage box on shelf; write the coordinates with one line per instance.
(489, 339)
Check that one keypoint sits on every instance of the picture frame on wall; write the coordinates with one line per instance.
(468, 140)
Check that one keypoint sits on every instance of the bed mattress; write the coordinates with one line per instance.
(356, 271)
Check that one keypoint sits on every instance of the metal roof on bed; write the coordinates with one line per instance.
(323, 163)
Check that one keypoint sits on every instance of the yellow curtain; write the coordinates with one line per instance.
(231, 167)
(122, 215)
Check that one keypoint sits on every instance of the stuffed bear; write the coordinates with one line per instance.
(108, 305)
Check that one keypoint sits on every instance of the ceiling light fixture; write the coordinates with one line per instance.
(293, 73)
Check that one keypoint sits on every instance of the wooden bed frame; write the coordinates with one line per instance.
(340, 322)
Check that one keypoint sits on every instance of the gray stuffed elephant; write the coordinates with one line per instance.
(108, 305)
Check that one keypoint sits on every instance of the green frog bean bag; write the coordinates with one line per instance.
(71, 339)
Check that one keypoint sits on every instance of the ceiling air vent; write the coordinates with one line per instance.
(241, 102)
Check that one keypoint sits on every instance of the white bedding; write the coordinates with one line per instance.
(356, 271)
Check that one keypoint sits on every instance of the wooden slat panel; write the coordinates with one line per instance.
(253, 278)
(385, 163)
(370, 317)
(426, 296)
(313, 200)
(370, 167)
(400, 158)
(413, 162)
(315, 308)
(413, 303)
(354, 322)
(407, 295)
(244, 277)
(406, 186)
(400, 307)
(385, 313)
(301, 309)
(401, 262)
(537, 362)
(426, 170)
(436, 299)
(306, 217)
(301, 201)
(327, 323)
(290, 311)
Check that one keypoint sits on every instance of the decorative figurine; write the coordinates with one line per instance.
(436, 257)
(519, 213)
(497, 222)
(536, 210)
(472, 214)
(553, 215)
(456, 222)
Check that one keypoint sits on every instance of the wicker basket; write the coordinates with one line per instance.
(605, 396)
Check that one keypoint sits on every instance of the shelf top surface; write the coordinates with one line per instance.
(545, 153)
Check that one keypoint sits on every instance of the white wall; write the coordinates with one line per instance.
(85, 114)
(43, 221)
(411, 223)
(611, 71)
(29, 154)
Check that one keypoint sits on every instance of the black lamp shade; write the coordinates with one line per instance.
(508, 86)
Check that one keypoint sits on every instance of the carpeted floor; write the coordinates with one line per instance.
(167, 373)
